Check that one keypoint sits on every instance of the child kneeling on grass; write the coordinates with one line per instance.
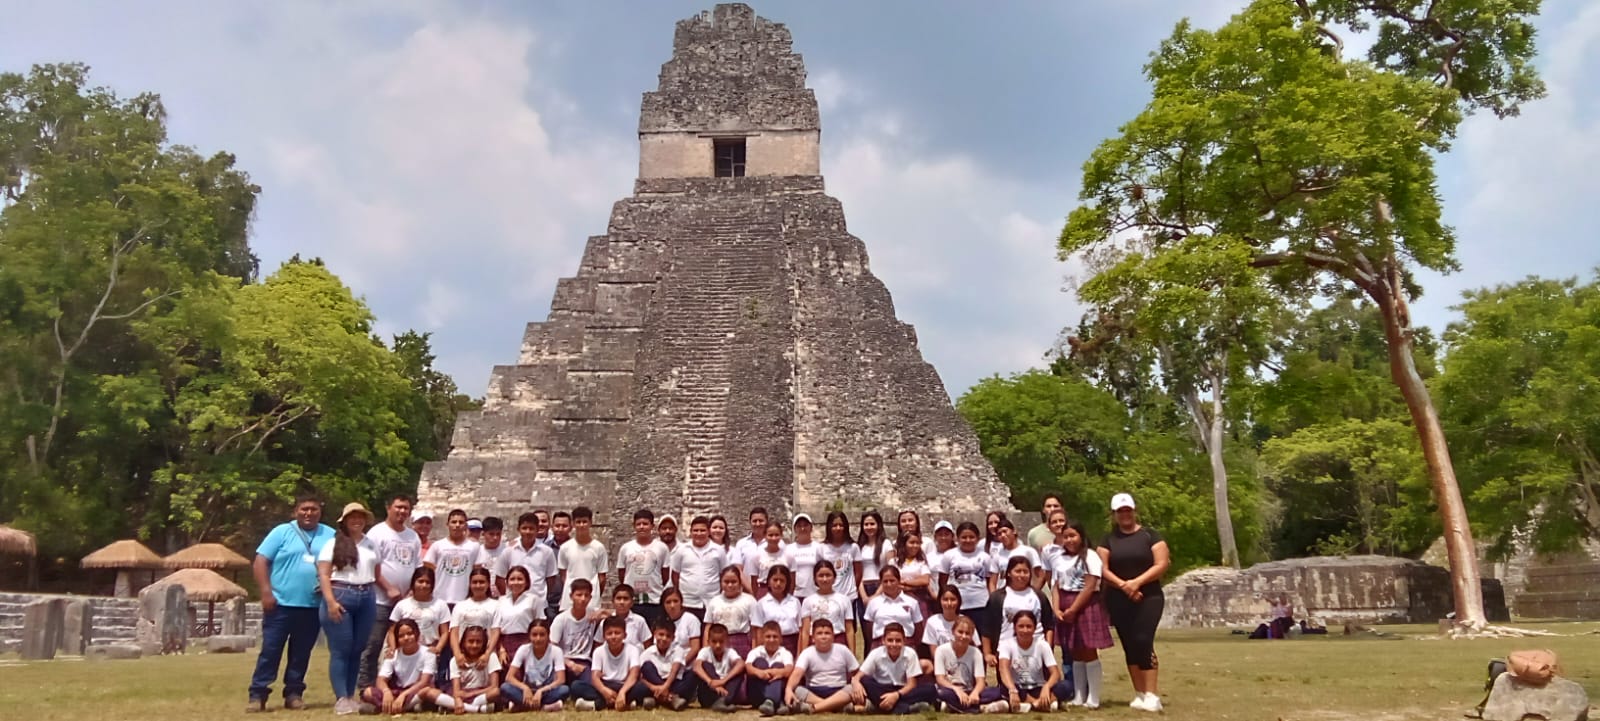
(719, 667)
(958, 669)
(614, 677)
(661, 668)
(820, 682)
(1028, 669)
(888, 677)
(767, 670)
(405, 678)
(537, 679)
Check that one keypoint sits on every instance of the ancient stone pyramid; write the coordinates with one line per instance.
(724, 344)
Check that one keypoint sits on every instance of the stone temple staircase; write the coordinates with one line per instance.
(717, 273)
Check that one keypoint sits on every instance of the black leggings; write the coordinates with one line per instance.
(1136, 625)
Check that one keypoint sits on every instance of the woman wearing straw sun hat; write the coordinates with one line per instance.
(347, 572)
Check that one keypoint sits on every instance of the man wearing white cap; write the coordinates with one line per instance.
(422, 524)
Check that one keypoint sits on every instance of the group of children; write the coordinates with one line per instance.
(767, 623)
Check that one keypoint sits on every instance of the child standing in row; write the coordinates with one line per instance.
(758, 561)
(1082, 627)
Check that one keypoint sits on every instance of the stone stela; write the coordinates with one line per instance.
(724, 344)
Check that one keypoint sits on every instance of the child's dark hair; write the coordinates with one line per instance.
(788, 578)
(902, 548)
(519, 568)
(559, 515)
(1030, 615)
(455, 512)
(405, 623)
(872, 547)
(470, 631)
(821, 623)
(737, 573)
(772, 626)
(968, 526)
(421, 573)
(493, 523)
(894, 627)
(582, 513)
(716, 630)
(645, 514)
(823, 564)
(611, 622)
(622, 588)
(531, 518)
(582, 584)
(949, 589)
(669, 593)
(700, 521)
(543, 623)
(664, 624)
(889, 570)
(827, 534)
(1085, 546)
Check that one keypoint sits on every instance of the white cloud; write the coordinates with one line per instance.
(967, 252)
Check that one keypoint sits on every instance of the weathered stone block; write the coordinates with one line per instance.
(42, 626)
(1513, 700)
(163, 619)
(77, 626)
(113, 651)
(234, 617)
(229, 644)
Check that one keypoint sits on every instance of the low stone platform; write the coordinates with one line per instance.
(1333, 590)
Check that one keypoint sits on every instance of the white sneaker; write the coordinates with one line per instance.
(1152, 702)
(1024, 707)
(997, 707)
(583, 704)
(1138, 702)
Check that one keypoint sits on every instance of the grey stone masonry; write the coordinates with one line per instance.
(723, 345)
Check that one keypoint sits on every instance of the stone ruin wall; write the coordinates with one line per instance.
(1333, 590)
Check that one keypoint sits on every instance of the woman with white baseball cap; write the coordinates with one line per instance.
(1134, 558)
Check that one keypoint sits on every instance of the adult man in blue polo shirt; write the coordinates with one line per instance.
(286, 572)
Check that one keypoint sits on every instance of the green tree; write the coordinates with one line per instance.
(1521, 400)
(435, 399)
(1203, 321)
(1044, 432)
(1318, 169)
(102, 223)
(275, 385)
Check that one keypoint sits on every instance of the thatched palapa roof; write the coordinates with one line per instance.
(122, 554)
(203, 585)
(17, 542)
(206, 555)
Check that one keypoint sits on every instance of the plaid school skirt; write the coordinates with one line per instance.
(1092, 629)
(740, 643)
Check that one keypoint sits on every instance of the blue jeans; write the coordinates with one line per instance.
(514, 695)
(296, 627)
(347, 638)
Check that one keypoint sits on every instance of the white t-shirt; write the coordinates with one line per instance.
(698, 569)
(870, 561)
(406, 670)
(969, 573)
(686, 630)
(429, 616)
(662, 661)
(539, 671)
(637, 635)
(830, 670)
(935, 557)
(490, 558)
(913, 571)
(936, 630)
(363, 571)
(748, 546)
(399, 555)
(514, 616)
(1024, 551)
(470, 613)
(615, 667)
(539, 561)
(883, 610)
(452, 565)
(733, 556)
(575, 636)
(785, 612)
(1028, 665)
(1015, 602)
(802, 559)
(581, 560)
(735, 613)
(759, 561)
(640, 568)
(891, 671)
(1068, 572)
(719, 665)
(473, 677)
(775, 659)
(834, 607)
(843, 559)
(964, 670)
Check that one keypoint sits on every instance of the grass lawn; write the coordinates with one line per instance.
(1206, 675)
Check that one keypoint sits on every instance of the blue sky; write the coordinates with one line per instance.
(449, 159)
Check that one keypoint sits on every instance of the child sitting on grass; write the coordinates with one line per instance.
(613, 680)
(661, 667)
(476, 683)
(767, 670)
(405, 678)
(574, 633)
(537, 679)
(1028, 668)
(888, 677)
(719, 667)
(959, 671)
(821, 679)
